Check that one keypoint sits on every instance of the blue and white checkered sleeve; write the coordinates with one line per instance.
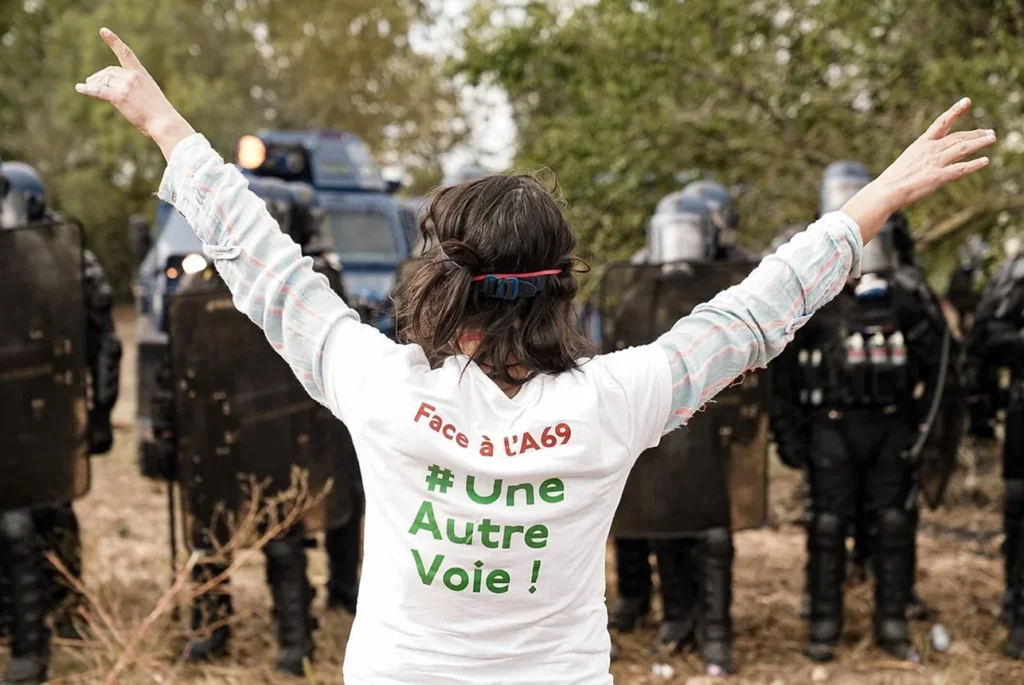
(745, 327)
(271, 282)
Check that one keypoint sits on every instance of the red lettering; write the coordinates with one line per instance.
(563, 431)
(547, 439)
(424, 411)
(435, 423)
(448, 431)
(529, 443)
(462, 441)
(508, 450)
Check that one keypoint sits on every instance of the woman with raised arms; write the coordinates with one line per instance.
(495, 446)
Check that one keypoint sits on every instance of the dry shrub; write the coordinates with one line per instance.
(120, 647)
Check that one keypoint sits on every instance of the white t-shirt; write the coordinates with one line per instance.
(488, 566)
(454, 605)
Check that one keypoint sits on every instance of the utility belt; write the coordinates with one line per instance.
(864, 384)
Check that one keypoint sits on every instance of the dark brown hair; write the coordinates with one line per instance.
(495, 225)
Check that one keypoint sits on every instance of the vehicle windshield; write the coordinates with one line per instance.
(362, 236)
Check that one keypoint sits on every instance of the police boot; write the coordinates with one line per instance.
(826, 569)
(714, 634)
(676, 569)
(1013, 527)
(210, 613)
(293, 595)
(64, 538)
(25, 592)
(633, 565)
(893, 568)
(1014, 647)
(343, 545)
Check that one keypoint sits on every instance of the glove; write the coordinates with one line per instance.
(101, 433)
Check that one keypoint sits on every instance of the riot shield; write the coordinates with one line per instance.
(712, 472)
(242, 415)
(43, 445)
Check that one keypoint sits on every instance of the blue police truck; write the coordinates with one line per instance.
(327, 178)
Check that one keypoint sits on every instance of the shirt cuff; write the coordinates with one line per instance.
(180, 165)
(853, 237)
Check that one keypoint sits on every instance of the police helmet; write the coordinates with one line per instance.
(972, 252)
(840, 182)
(25, 180)
(682, 229)
(25, 200)
(892, 247)
(719, 202)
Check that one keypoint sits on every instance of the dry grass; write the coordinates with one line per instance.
(127, 575)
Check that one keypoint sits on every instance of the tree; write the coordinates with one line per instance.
(231, 67)
(621, 98)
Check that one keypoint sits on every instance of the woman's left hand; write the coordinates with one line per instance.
(137, 97)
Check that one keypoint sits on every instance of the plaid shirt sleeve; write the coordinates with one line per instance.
(745, 327)
(271, 282)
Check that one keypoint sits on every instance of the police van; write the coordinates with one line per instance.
(325, 190)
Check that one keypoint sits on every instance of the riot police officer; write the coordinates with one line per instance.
(695, 572)
(996, 342)
(294, 207)
(29, 587)
(845, 409)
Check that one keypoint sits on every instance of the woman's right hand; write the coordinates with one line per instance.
(137, 97)
(930, 162)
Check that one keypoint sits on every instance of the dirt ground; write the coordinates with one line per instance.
(127, 570)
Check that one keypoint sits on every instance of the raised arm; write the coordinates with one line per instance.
(748, 325)
(272, 283)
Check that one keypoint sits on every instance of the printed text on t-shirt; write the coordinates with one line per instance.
(486, 532)
(519, 443)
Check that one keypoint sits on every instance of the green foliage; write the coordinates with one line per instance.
(623, 99)
(231, 67)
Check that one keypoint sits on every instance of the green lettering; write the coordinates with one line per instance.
(456, 574)
(525, 487)
(482, 499)
(537, 536)
(497, 581)
(509, 532)
(467, 539)
(477, 576)
(427, 576)
(486, 528)
(425, 521)
(552, 490)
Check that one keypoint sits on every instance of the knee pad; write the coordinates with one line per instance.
(828, 524)
(895, 526)
(16, 525)
(1013, 499)
(718, 543)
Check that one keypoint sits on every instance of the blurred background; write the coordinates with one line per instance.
(624, 101)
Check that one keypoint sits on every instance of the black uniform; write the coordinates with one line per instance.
(996, 342)
(286, 555)
(695, 572)
(844, 409)
(30, 587)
